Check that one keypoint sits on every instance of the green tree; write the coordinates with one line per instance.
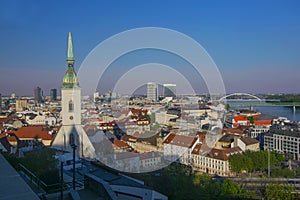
(229, 189)
(253, 161)
(251, 119)
(227, 107)
(276, 191)
(235, 164)
(240, 162)
(286, 173)
(43, 164)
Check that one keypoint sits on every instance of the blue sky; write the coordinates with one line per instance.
(255, 44)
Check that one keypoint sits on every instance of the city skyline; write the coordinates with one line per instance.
(254, 44)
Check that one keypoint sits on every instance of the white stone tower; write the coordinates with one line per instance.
(71, 131)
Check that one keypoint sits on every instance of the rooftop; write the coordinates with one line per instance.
(180, 140)
(249, 141)
(40, 132)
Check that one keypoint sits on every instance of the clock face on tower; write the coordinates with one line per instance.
(71, 117)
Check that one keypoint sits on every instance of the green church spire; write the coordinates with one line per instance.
(70, 79)
(70, 57)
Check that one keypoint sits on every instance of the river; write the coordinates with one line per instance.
(277, 111)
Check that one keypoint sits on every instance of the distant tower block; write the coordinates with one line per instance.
(71, 130)
(38, 95)
(53, 94)
(152, 91)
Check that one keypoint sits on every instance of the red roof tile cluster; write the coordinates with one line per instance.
(221, 154)
(240, 118)
(233, 131)
(39, 132)
(137, 112)
(111, 124)
(180, 140)
(224, 154)
(257, 120)
(263, 122)
(120, 144)
(201, 149)
(201, 136)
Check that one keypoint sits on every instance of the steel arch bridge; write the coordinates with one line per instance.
(240, 94)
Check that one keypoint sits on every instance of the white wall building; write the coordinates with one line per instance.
(179, 147)
(283, 140)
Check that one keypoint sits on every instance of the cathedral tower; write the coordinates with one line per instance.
(70, 92)
(71, 131)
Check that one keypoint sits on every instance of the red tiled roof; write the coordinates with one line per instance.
(180, 140)
(233, 130)
(112, 123)
(201, 149)
(201, 136)
(263, 122)
(224, 154)
(138, 111)
(40, 132)
(240, 118)
(120, 144)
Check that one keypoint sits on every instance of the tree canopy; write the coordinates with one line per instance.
(253, 161)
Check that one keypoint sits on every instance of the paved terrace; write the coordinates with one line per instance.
(12, 186)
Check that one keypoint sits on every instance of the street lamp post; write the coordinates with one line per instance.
(73, 145)
(74, 149)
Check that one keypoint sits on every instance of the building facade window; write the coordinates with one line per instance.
(71, 106)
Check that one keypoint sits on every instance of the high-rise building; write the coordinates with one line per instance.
(96, 96)
(53, 95)
(152, 91)
(169, 90)
(71, 134)
(38, 94)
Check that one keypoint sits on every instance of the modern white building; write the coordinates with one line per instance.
(283, 139)
(96, 96)
(152, 91)
(169, 90)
